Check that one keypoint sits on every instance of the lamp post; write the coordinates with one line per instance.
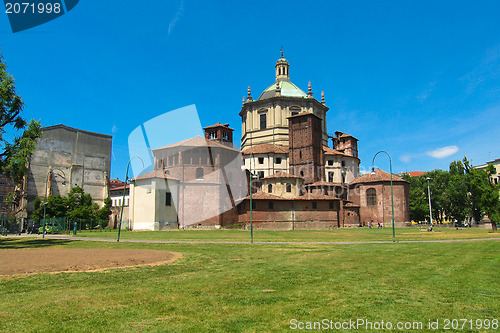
(251, 207)
(430, 205)
(392, 192)
(45, 199)
(123, 197)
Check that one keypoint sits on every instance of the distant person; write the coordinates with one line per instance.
(378, 225)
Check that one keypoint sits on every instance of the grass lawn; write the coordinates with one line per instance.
(226, 287)
(336, 235)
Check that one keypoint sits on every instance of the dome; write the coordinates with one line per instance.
(287, 89)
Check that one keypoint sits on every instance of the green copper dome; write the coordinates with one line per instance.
(287, 89)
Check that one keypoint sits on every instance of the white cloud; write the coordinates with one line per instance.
(177, 17)
(114, 129)
(406, 158)
(442, 152)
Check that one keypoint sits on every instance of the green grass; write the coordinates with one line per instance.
(337, 235)
(219, 287)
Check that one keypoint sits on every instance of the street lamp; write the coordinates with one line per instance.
(430, 205)
(45, 200)
(392, 192)
(251, 207)
(123, 197)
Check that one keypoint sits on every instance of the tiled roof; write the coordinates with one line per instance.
(345, 135)
(412, 173)
(379, 176)
(281, 175)
(119, 188)
(310, 196)
(266, 148)
(155, 174)
(197, 141)
(330, 151)
(303, 114)
(264, 196)
(219, 125)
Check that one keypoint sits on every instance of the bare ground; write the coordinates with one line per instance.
(16, 262)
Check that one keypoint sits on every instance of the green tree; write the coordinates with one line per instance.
(483, 193)
(17, 137)
(104, 212)
(419, 207)
(457, 193)
(80, 205)
(439, 199)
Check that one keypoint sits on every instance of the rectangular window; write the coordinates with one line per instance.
(168, 199)
(263, 121)
(330, 162)
(330, 177)
(371, 197)
(271, 205)
(261, 160)
(343, 164)
(261, 174)
(315, 205)
(289, 187)
(254, 205)
(278, 160)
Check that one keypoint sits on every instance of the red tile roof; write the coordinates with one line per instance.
(219, 125)
(155, 174)
(197, 141)
(330, 151)
(266, 148)
(412, 173)
(119, 188)
(379, 176)
(310, 196)
(264, 196)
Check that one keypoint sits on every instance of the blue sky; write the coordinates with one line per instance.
(419, 79)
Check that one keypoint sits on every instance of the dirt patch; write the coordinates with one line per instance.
(56, 260)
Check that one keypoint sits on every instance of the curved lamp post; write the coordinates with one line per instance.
(429, 191)
(251, 207)
(124, 190)
(392, 193)
(46, 186)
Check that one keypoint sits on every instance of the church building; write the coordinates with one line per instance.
(297, 176)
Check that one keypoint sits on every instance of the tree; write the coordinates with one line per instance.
(484, 194)
(104, 212)
(458, 201)
(15, 149)
(419, 206)
(80, 205)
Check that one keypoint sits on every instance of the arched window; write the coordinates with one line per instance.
(371, 197)
(199, 173)
(289, 187)
(270, 188)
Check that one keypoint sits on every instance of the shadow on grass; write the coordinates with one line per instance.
(12, 243)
